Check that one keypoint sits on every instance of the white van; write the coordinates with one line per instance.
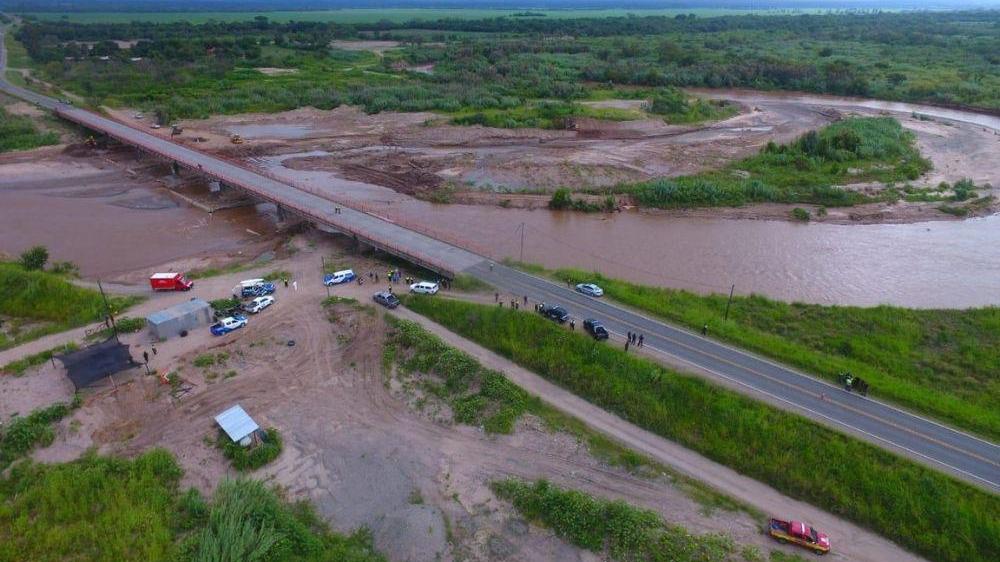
(424, 287)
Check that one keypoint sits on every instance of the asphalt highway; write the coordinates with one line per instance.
(965, 456)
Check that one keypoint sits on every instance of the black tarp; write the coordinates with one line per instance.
(90, 364)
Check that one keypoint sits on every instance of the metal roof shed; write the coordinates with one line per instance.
(237, 424)
(185, 316)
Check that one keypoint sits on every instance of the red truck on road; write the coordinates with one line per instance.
(170, 282)
(799, 533)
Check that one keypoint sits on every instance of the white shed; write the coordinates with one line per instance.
(238, 425)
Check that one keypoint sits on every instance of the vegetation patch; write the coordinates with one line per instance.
(104, 508)
(477, 395)
(23, 433)
(612, 528)
(51, 300)
(19, 366)
(255, 456)
(938, 362)
(19, 132)
(926, 511)
(857, 149)
(125, 325)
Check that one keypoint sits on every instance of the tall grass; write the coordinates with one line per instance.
(24, 433)
(928, 512)
(50, 298)
(477, 395)
(939, 362)
(18, 132)
(96, 508)
(616, 528)
(99, 509)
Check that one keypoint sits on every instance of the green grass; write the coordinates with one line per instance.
(19, 366)
(925, 511)
(17, 56)
(125, 325)
(477, 396)
(23, 433)
(469, 284)
(613, 528)
(251, 458)
(542, 115)
(485, 397)
(19, 132)
(97, 509)
(855, 150)
(938, 362)
(51, 301)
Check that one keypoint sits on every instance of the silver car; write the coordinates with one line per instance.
(590, 289)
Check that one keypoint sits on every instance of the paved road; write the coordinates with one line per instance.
(967, 457)
(963, 455)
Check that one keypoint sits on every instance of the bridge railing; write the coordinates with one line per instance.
(356, 205)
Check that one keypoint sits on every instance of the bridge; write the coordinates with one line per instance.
(963, 455)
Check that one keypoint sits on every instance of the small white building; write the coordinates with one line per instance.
(238, 425)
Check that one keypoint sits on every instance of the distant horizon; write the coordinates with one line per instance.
(500, 5)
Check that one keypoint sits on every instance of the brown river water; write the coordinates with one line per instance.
(935, 264)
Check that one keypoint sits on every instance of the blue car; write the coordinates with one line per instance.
(226, 325)
(258, 290)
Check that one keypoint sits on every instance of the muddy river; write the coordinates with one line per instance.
(934, 264)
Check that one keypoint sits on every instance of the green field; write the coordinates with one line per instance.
(943, 363)
(98, 509)
(921, 509)
(360, 15)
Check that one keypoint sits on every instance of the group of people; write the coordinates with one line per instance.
(634, 338)
(514, 303)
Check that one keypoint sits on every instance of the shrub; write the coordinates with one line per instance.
(561, 199)
(800, 214)
(253, 457)
(34, 259)
(24, 433)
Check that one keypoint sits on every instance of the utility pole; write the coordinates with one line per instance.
(731, 289)
(107, 310)
(521, 257)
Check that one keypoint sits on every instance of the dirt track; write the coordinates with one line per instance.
(366, 458)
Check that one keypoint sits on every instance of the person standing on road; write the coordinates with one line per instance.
(154, 351)
(491, 266)
(145, 356)
(295, 285)
(572, 325)
(640, 340)
(628, 337)
(704, 330)
(525, 300)
(285, 279)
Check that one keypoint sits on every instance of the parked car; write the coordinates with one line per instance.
(554, 312)
(386, 299)
(258, 304)
(258, 290)
(338, 277)
(226, 325)
(425, 287)
(596, 329)
(590, 290)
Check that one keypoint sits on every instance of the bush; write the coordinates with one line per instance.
(625, 532)
(255, 456)
(34, 259)
(23, 433)
(561, 199)
(800, 214)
